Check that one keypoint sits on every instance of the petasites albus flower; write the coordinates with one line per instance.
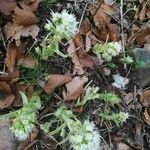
(84, 136)
(24, 119)
(63, 25)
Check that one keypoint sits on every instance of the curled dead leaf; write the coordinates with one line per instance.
(5, 87)
(7, 6)
(103, 15)
(24, 17)
(56, 80)
(145, 98)
(147, 116)
(84, 28)
(74, 88)
(7, 101)
(27, 62)
(11, 56)
(30, 6)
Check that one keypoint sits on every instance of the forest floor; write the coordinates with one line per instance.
(59, 80)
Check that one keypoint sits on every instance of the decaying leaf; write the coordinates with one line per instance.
(27, 62)
(10, 76)
(56, 80)
(7, 6)
(138, 137)
(128, 98)
(102, 16)
(30, 5)
(5, 87)
(84, 28)
(11, 56)
(147, 116)
(145, 98)
(143, 35)
(122, 146)
(24, 17)
(7, 101)
(74, 88)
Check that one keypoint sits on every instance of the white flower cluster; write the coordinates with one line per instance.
(23, 120)
(23, 125)
(85, 137)
(62, 25)
(107, 51)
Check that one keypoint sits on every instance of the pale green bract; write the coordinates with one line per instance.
(24, 119)
(117, 118)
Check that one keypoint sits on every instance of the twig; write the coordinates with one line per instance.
(122, 37)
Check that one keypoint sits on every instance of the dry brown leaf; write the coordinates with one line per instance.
(7, 6)
(32, 31)
(10, 29)
(143, 33)
(27, 62)
(138, 137)
(72, 51)
(30, 6)
(147, 116)
(122, 146)
(24, 17)
(128, 98)
(84, 28)
(113, 32)
(85, 60)
(74, 88)
(142, 14)
(28, 1)
(4, 87)
(11, 56)
(56, 80)
(88, 41)
(103, 15)
(5, 103)
(10, 76)
(145, 98)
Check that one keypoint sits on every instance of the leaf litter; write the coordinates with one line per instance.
(99, 24)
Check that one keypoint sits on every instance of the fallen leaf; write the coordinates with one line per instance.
(145, 98)
(27, 62)
(56, 80)
(24, 17)
(103, 15)
(138, 137)
(143, 33)
(7, 6)
(106, 71)
(123, 146)
(142, 14)
(11, 56)
(28, 1)
(113, 32)
(128, 98)
(120, 82)
(10, 76)
(32, 31)
(84, 28)
(7, 101)
(88, 42)
(74, 88)
(147, 116)
(5, 87)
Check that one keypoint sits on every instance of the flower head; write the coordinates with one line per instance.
(62, 25)
(84, 136)
(107, 51)
(23, 120)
